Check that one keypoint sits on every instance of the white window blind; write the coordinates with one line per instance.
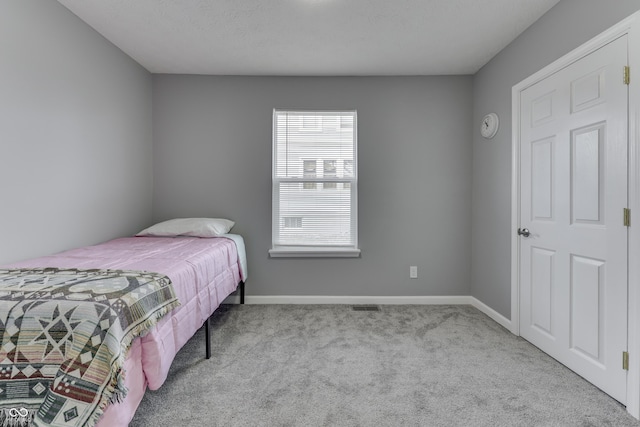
(315, 179)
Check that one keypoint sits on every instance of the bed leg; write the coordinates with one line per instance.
(241, 292)
(207, 338)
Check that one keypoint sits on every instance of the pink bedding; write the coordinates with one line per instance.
(203, 271)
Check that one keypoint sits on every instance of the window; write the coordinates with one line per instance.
(292, 222)
(309, 171)
(311, 123)
(329, 171)
(347, 170)
(315, 179)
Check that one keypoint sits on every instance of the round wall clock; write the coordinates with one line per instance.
(489, 125)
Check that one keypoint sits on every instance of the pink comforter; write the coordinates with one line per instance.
(203, 271)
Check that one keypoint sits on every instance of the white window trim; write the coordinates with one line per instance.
(283, 251)
(313, 252)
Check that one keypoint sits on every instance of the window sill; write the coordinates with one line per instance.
(319, 252)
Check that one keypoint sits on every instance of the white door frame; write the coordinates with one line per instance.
(631, 27)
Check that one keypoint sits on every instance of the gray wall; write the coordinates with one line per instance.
(75, 133)
(76, 154)
(565, 27)
(212, 157)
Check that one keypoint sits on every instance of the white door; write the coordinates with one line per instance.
(573, 265)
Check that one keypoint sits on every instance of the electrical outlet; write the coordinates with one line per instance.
(413, 272)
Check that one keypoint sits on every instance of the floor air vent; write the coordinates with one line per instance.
(365, 308)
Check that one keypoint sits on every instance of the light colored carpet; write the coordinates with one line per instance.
(327, 365)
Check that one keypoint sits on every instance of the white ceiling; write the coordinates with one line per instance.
(310, 37)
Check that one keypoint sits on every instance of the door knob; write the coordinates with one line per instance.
(524, 232)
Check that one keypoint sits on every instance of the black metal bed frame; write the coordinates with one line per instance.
(207, 325)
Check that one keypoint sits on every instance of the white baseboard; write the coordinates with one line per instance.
(329, 299)
(382, 300)
(497, 317)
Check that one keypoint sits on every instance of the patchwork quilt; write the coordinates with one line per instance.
(64, 334)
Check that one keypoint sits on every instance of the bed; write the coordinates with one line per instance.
(202, 271)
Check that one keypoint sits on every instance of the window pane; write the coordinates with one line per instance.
(294, 141)
(314, 178)
(325, 217)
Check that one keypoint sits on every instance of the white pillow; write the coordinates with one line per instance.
(197, 227)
